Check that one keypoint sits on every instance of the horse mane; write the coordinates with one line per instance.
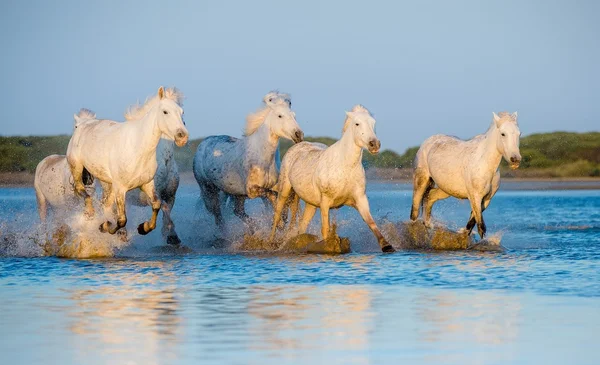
(256, 119)
(356, 108)
(137, 111)
(86, 114)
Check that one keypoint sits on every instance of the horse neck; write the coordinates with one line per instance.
(145, 133)
(262, 145)
(489, 148)
(346, 152)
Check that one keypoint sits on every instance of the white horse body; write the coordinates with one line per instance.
(447, 166)
(247, 167)
(54, 186)
(331, 177)
(123, 155)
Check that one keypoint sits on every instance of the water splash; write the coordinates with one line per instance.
(414, 235)
(72, 237)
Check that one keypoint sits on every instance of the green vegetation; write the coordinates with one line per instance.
(558, 154)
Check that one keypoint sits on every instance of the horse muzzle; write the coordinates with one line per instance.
(298, 136)
(181, 138)
(515, 162)
(374, 146)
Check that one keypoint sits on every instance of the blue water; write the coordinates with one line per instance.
(538, 302)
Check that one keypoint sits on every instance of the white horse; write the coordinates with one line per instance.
(123, 155)
(331, 177)
(54, 186)
(245, 168)
(447, 166)
(166, 179)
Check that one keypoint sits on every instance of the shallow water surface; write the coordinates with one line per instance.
(538, 302)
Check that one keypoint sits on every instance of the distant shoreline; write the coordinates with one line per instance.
(397, 176)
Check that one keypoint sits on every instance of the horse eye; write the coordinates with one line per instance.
(165, 112)
(356, 124)
(503, 135)
(280, 116)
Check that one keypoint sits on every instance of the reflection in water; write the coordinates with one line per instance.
(129, 321)
(310, 318)
(485, 318)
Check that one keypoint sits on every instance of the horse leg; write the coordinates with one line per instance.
(210, 196)
(309, 213)
(282, 197)
(240, 211)
(108, 203)
(77, 172)
(486, 202)
(476, 208)
(294, 203)
(148, 226)
(362, 205)
(325, 204)
(421, 183)
(168, 228)
(432, 196)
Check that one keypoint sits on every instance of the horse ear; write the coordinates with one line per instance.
(161, 92)
(514, 116)
(496, 119)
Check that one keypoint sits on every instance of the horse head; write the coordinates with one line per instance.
(280, 119)
(170, 116)
(361, 124)
(508, 134)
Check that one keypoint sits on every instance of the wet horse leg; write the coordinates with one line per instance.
(325, 205)
(240, 211)
(282, 197)
(430, 198)
(168, 229)
(486, 202)
(210, 196)
(148, 226)
(309, 213)
(476, 208)
(77, 172)
(362, 205)
(421, 184)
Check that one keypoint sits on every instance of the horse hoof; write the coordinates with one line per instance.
(173, 240)
(102, 228)
(142, 230)
(388, 249)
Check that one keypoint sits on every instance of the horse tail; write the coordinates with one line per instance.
(83, 116)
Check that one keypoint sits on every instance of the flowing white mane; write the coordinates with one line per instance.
(356, 108)
(137, 111)
(86, 114)
(507, 117)
(256, 119)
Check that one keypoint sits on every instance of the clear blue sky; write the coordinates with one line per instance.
(422, 67)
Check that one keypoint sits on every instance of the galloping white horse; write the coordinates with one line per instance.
(166, 179)
(331, 177)
(245, 168)
(123, 155)
(447, 166)
(54, 187)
